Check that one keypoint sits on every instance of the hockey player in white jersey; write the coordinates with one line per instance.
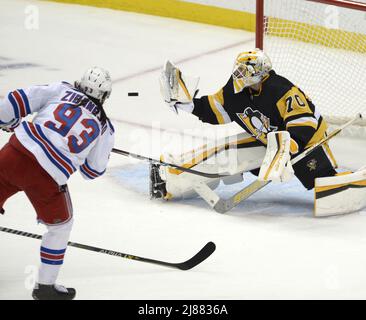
(70, 131)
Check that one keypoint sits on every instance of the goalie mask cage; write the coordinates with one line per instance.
(320, 45)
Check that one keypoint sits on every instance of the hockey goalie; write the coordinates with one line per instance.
(279, 122)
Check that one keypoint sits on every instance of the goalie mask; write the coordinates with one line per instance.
(96, 83)
(250, 68)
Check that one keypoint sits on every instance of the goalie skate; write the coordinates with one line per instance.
(157, 184)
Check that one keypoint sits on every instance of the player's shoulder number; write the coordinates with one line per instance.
(294, 101)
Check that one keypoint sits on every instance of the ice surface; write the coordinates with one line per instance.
(268, 247)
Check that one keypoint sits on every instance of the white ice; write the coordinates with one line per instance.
(268, 247)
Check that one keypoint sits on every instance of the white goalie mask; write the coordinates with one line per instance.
(250, 68)
(96, 83)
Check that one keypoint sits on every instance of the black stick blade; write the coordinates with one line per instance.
(201, 256)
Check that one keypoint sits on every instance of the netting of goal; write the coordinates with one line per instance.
(322, 49)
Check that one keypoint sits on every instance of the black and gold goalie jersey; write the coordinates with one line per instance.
(278, 105)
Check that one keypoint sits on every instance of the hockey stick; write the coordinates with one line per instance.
(201, 256)
(198, 173)
(223, 206)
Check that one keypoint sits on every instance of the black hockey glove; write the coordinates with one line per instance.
(10, 126)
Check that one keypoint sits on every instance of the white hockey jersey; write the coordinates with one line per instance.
(65, 134)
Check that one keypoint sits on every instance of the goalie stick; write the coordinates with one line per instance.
(201, 256)
(223, 206)
(198, 173)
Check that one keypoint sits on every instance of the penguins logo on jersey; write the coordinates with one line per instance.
(312, 164)
(257, 123)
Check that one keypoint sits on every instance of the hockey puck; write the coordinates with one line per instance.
(133, 94)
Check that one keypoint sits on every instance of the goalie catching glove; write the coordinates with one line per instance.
(178, 90)
(276, 164)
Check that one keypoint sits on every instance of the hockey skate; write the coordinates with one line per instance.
(53, 292)
(157, 185)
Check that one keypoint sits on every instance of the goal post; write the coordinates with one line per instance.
(320, 45)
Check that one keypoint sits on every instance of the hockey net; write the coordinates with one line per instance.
(321, 47)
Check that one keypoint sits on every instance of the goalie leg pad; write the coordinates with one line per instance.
(233, 156)
(341, 194)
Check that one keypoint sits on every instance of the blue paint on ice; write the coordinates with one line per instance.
(275, 199)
